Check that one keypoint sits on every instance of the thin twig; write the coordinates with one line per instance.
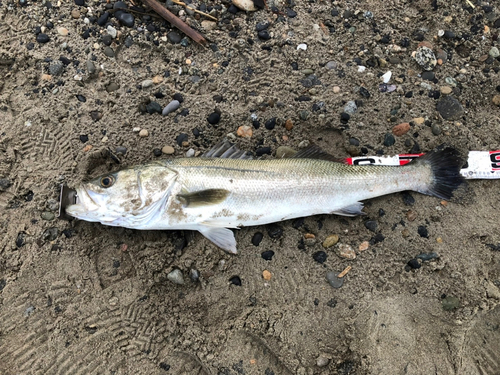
(176, 21)
(195, 10)
(344, 272)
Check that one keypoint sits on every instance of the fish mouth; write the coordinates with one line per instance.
(76, 203)
(67, 197)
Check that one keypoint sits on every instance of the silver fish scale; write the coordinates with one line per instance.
(265, 191)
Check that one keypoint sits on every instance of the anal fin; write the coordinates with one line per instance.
(222, 237)
(351, 210)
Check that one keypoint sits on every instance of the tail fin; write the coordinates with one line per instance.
(445, 165)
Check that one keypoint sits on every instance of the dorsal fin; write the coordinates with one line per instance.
(315, 152)
(226, 150)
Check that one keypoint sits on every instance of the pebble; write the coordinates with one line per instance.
(285, 152)
(246, 5)
(389, 140)
(213, 118)
(330, 241)
(450, 303)
(62, 31)
(103, 18)
(346, 251)
(351, 107)
(450, 108)
(436, 129)
(411, 215)
(419, 120)
(75, 13)
(270, 124)
(371, 225)
(364, 246)
(274, 231)
(244, 131)
(304, 115)
(451, 81)
(176, 276)
(401, 129)
(302, 47)
(496, 100)
(190, 153)
(194, 274)
(322, 361)
(414, 264)
(427, 256)
(446, 90)
(181, 138)
(4, 184)
(333, 279)
(267, 255)
(494, 52)
(126, 19)
(428, 76)
(157, 152)
(171, 107)
(336, 89)
(266, 275)
(112, 87)
(386, 77)
(235, 280)
(174, 37)
(331, 65)
(147, 83)
(422, 231)
(108, 51)
(111, 31)
(425, 58)
(320, 257)
(264, 35)
(208, 25)
(50, 234)
(21, 239)
(263, 151)
(56, 68)
(153, 107)
(42, 38)
(47, 215)
(168, 150)
(364, 92)
(143, 133)
(90, 67)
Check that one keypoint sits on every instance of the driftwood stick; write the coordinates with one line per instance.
(176, 21)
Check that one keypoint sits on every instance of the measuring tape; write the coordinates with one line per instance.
(480, 164)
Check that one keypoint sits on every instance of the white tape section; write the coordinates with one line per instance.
(480, 164)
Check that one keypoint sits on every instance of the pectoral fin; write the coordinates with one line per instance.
(222, 237)
(352, 210)
(203, 197)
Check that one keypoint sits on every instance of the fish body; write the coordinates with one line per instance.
(211, 195)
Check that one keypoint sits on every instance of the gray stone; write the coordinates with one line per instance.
(335, 281)
(350, 107)
(171, 107)
(450, 108)
(108, 51)
(494, 52)
(176, 276)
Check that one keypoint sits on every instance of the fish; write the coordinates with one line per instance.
(227, 189)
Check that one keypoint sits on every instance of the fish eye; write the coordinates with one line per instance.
(107, 181)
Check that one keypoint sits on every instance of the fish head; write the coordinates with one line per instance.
(129, 198)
